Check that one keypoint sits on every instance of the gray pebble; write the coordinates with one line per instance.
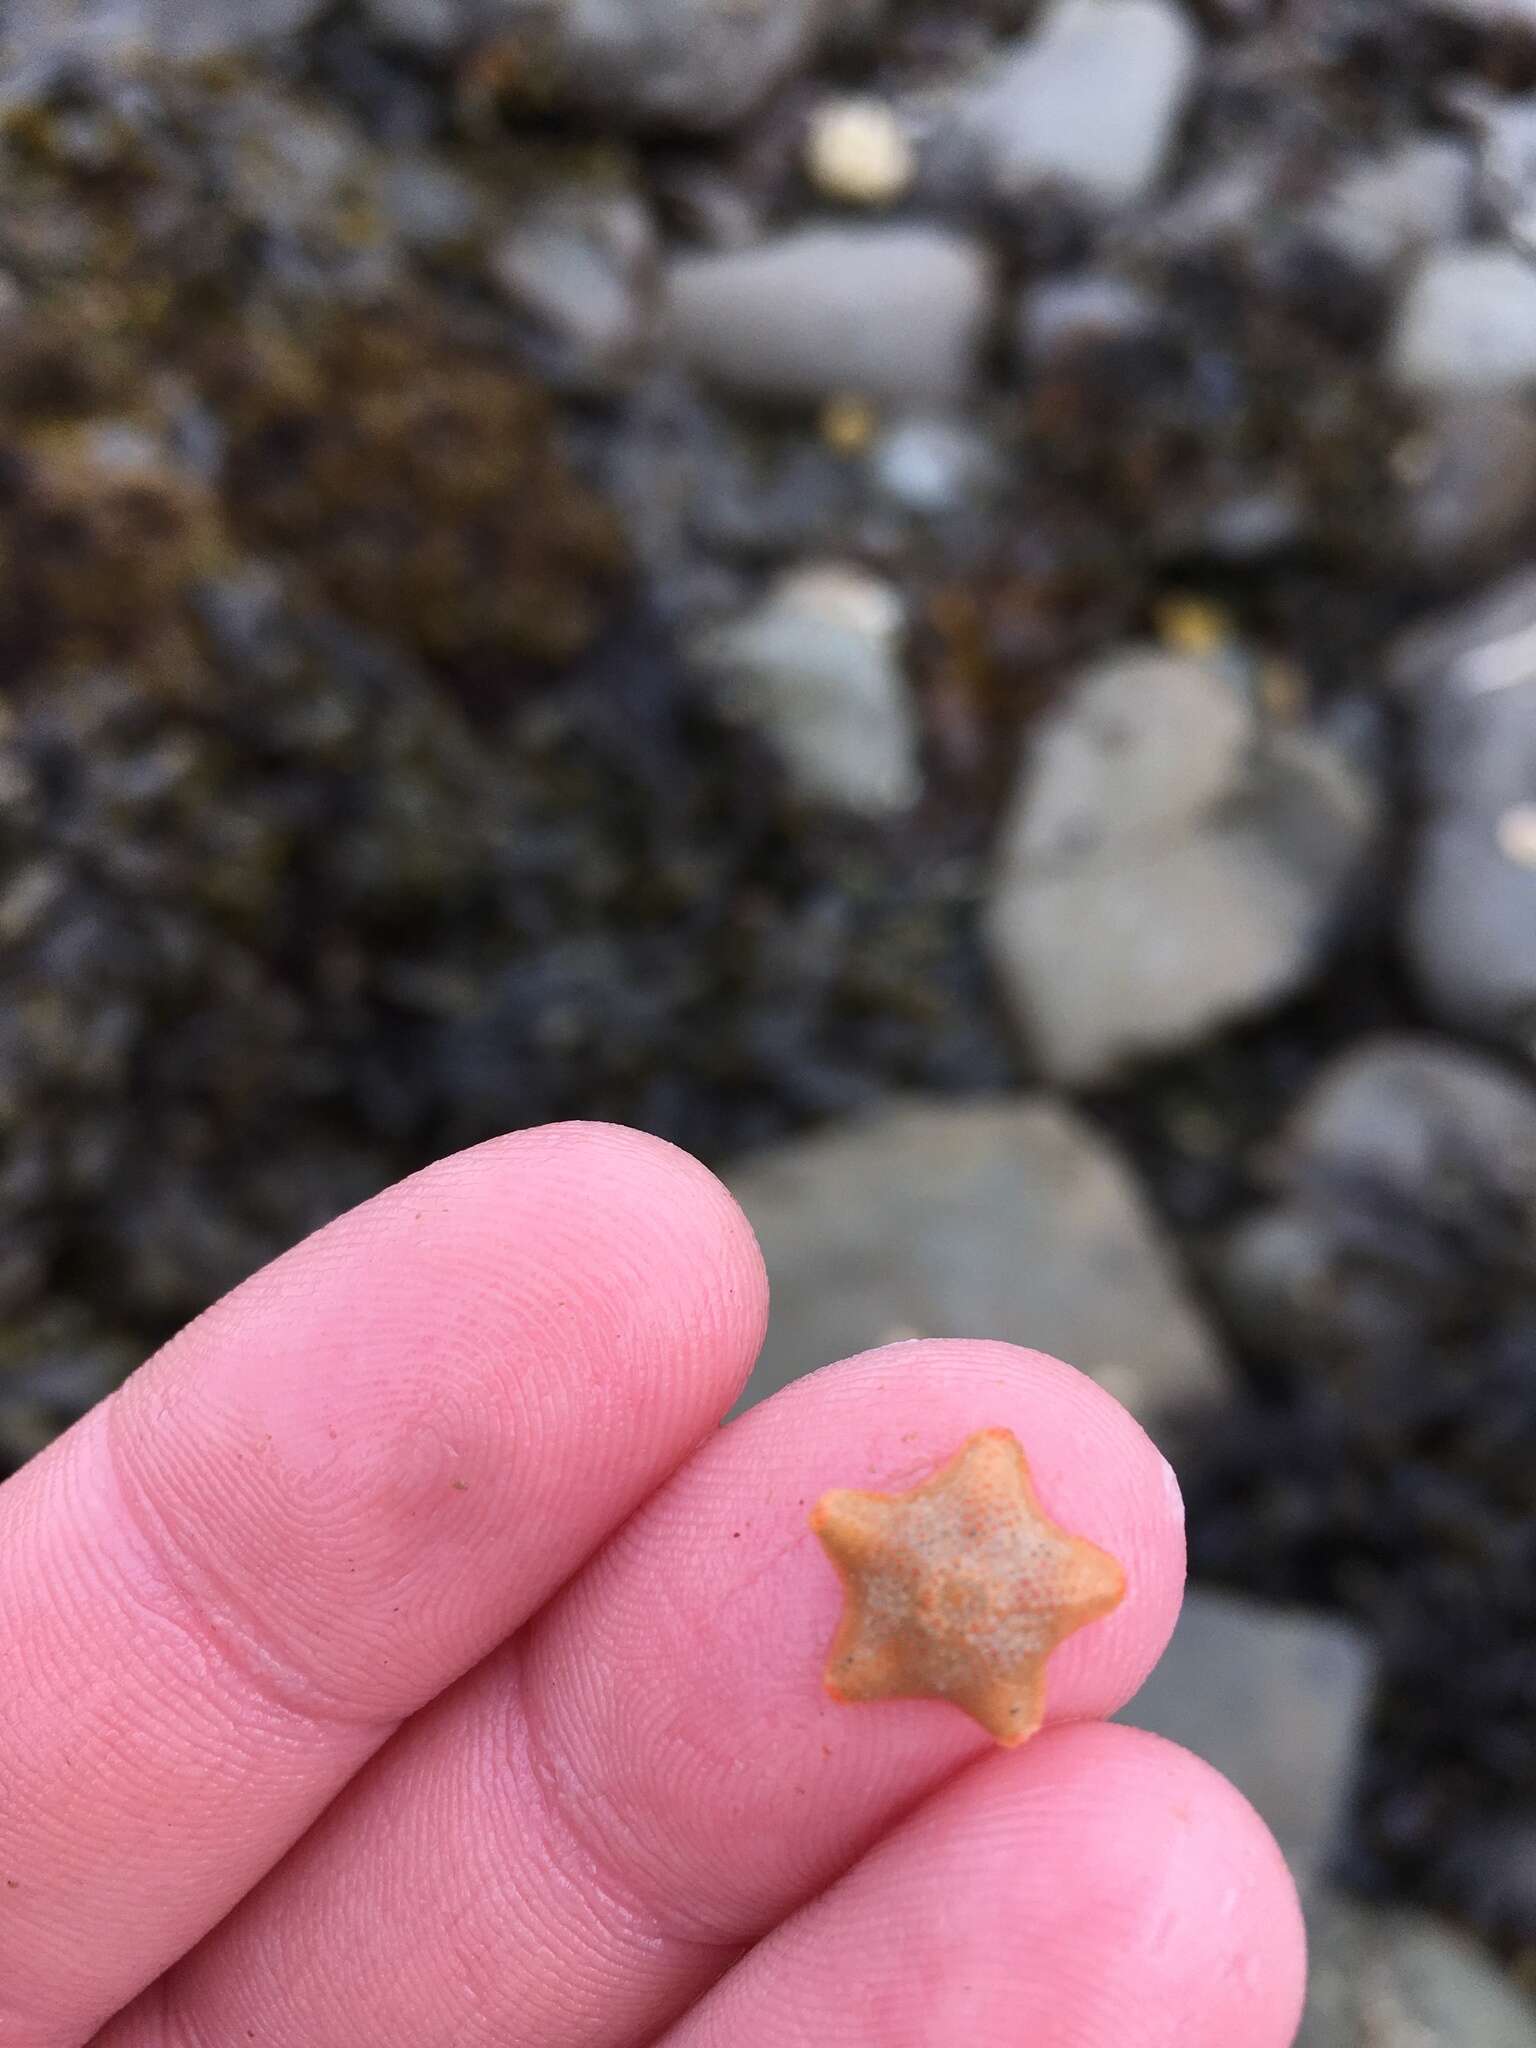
(1167, 866)
(579, 267)
(817, 668)
(1467, 322)
(1430, 1134)
(1091, 100)
(930, 465)
(895, 313)
(1411, 199)
(1470, 680)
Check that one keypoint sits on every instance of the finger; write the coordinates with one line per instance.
(580, 1839)
(325, 1501)
(1100, 1890)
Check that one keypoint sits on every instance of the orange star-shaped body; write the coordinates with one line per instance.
(961, 1589)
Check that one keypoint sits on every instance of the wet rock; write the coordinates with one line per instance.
(1002, 1217)
(1091, 101)
(1276, 1699)
(1470, 680)
(817, 667)
(895, 313)
(1168, 864)
(579, 267)
(691, 64)
(1385, 208)
(1467, 322)
(1406, 1151)
(1469, 480)
(1398, 1979)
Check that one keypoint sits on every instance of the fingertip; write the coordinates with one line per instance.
(1100, 1888)
(1188, 1885)
(678, 1217)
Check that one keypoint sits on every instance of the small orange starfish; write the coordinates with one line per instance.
(961, 1589)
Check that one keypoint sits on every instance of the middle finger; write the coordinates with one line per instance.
(583, 1836)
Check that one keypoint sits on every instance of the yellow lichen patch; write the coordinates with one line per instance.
(961, 1589)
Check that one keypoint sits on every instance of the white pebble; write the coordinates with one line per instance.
(858, 152)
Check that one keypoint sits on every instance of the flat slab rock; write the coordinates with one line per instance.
(1276, 1699)
(1007, 1218)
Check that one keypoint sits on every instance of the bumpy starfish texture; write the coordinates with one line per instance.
(961, 1589)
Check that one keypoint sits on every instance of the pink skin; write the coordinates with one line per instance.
(393, 1480)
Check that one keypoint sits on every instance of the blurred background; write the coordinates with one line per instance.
(935, 599)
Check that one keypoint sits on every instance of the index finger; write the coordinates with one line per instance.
(325, 1501)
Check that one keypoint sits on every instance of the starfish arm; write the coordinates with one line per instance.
(1011, 1708)
(852, 1527)
(1094, 1587)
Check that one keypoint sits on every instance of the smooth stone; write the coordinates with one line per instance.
(893, 313)
(1384, 208)
(1469, 677)
(1414, 1115)
(1387, 1977)
(1276, 1699)
(1006, 1217)
(1506, 129)
(1091, 100)
(817, 667)
(1467, 322)
(1148, 742)
(1167, 865)
(1400, 1143)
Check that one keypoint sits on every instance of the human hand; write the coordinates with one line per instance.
(402, 1656)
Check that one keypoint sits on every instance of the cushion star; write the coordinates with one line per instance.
(961, 1589)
